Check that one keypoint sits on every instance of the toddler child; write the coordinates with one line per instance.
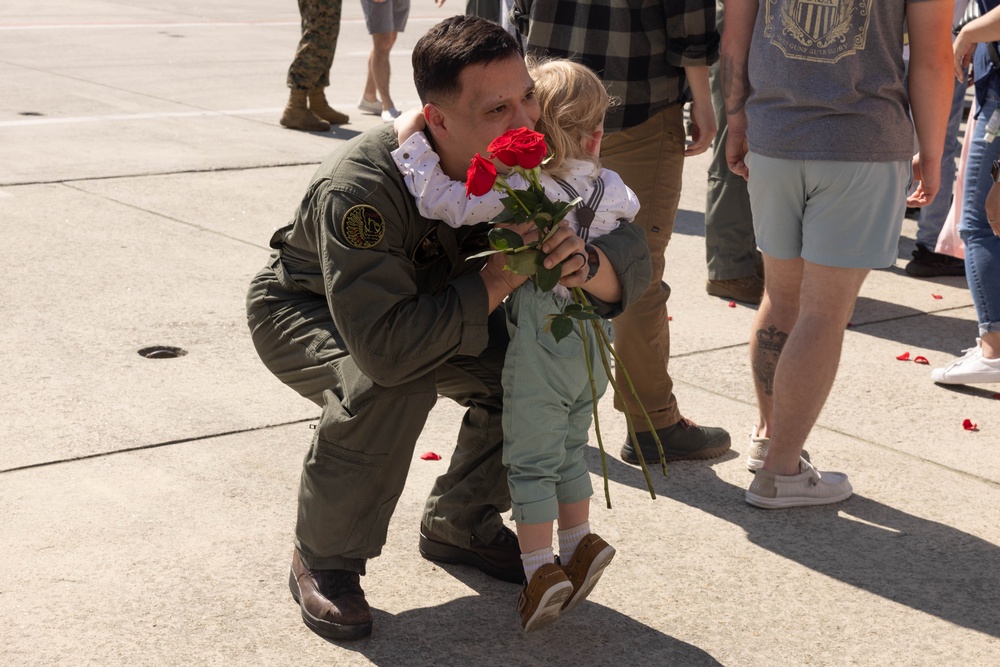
(547, 401)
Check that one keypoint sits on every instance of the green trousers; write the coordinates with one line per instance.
(357, 465)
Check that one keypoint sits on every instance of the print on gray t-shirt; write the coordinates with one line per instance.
(826, 81)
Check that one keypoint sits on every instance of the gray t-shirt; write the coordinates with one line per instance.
(826, 81)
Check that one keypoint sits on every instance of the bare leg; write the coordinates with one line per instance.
(379, 70)
(991, 345)
(574, 514)
(809, 359)
(534, 536)
(776, 316)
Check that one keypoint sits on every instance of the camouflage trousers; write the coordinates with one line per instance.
(313, 58)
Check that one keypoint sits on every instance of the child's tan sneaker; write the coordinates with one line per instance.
(543, 596)
(586, 566)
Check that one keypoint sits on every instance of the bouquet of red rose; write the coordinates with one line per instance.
(524, 150)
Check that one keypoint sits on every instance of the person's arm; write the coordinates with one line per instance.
(930, 87)
(437, 196)
(625, 271)
(986, 28)
(734, 70)
(703, 125)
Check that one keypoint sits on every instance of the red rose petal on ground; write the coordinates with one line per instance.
(903, 357)
(996, 396)
(732, 304)
(430, 456)
(921, 360)
(670, 318)
(969, 426)
(937, 296)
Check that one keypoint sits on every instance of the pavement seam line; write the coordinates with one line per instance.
(155, 445)
(208, 170)
(164, 216)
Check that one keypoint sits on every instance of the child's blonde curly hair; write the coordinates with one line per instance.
(573, 102)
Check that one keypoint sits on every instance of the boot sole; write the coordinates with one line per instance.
(549, 607)
(439, 552)
(325, 629)
(794, 501)
(700, 455)
(594, 573)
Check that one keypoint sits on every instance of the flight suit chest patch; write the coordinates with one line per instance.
(362, 226)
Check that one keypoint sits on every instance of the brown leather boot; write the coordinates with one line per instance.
(332, 601)
(320, 107)
(298, 117)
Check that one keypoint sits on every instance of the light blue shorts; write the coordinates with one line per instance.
(388, 16)
(843, 214)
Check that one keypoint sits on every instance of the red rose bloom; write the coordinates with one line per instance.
(480, 178)
(519, 148)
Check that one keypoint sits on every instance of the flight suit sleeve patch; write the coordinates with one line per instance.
(362, 226)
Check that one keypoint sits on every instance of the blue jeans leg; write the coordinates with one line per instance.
(932, 218)
(982, 246)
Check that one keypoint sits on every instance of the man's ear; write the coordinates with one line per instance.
(436, 123)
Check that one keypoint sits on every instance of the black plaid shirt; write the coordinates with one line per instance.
(638, 47)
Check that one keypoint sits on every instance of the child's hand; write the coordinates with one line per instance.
(409, 123)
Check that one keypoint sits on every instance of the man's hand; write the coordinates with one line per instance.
(928, 175)
(703, 129)
(562, 245)
(993, 208)
(736, 152)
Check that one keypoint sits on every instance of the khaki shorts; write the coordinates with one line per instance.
(388, 16)
(843, 214)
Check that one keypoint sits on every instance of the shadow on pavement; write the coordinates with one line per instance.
(925, 565)
(474, 630)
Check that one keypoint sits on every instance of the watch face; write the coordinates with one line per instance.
(995, 171)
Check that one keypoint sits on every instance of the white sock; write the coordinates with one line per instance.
(570, 538)
(535, 559)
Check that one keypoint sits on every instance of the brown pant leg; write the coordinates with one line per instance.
(650, 159)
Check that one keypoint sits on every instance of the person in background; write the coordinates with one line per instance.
(732, 258)
(825, 211)
(980, 223)
(654, 66)
(926, 262)
(385, 19)
(309, 73)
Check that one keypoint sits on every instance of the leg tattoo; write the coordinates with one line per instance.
(770, 342)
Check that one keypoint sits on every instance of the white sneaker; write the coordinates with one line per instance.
(757, 452)
(971, 368)
(809, 487)
(390, 115)
(370, 107)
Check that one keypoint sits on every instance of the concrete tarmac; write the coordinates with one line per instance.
(147, 504)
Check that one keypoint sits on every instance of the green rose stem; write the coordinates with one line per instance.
(605, 344)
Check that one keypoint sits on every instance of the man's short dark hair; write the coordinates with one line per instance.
(451, 46)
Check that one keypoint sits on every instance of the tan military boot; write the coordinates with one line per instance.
(320, 107)
(298, 117)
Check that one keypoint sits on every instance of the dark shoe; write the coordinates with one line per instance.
(683, 441)
(927, 264)
(333, 604)
(745, 290)
(501, 558)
